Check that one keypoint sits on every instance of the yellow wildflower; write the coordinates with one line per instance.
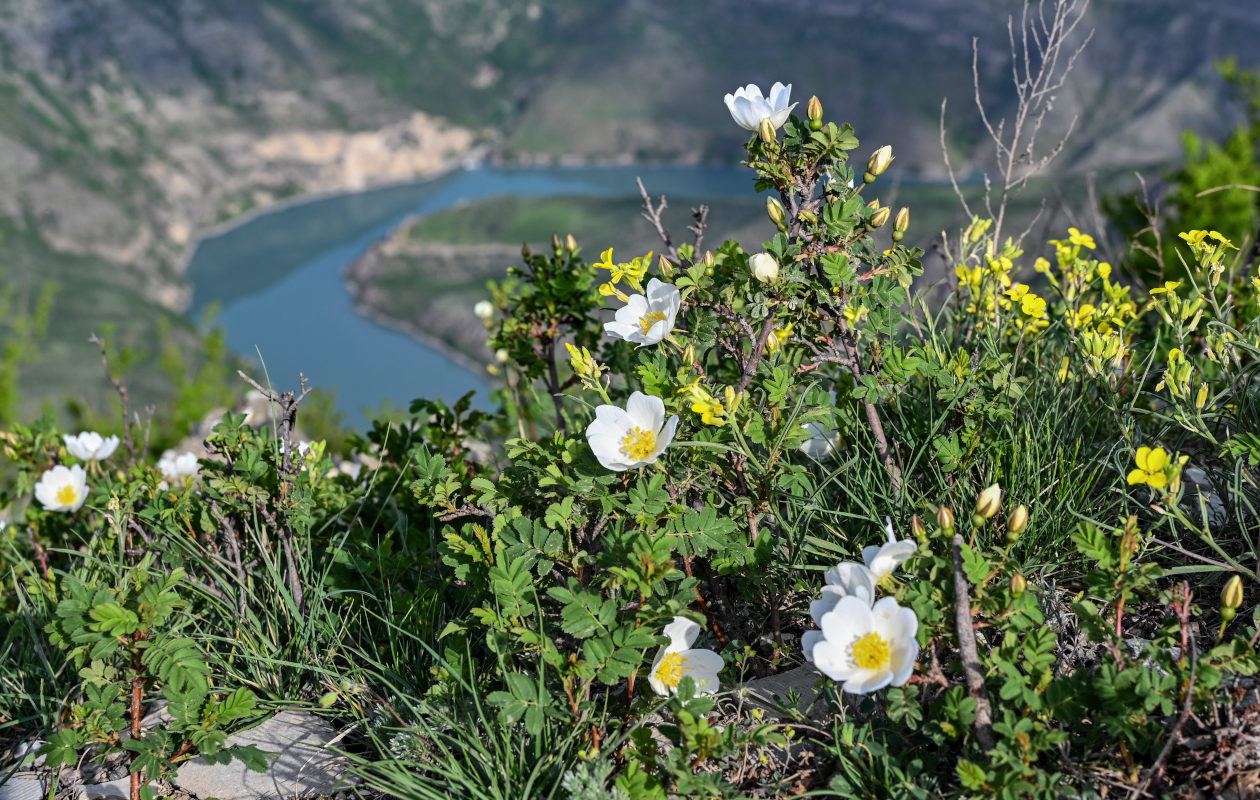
(1151, 465)
(1080, 239)
(1169, 287)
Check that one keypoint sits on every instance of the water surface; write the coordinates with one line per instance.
(276, 279)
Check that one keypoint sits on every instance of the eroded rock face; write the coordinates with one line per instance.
(301, 766)
(133, 127)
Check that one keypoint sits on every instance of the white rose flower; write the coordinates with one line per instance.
(647, 320)
(883, 559)
(749, 108)
(90, 446)
(867, 648)
(764, 267)
(846, 579)
(484, 309)
(62, 488)
(678, 660)
(175, 467)
(631, 437)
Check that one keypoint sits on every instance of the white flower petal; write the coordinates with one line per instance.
(852, 579)
(778, 118)
(808, 640)
(646, 411)
(868, 680)
(702, 662)
(904, 653)
(665, 436)
(779, 95)
(832, 660)
(850, 619)
(883, 560)
(682, 632)
(745, 113)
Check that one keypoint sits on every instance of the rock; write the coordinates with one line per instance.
(298, 765)
(111, 790)
(771, 693)
(21, 786)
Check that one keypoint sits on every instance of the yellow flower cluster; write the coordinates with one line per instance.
(1209, 248)
(710, 409)
(585, 367)
(991, 290)
(631, 273)
(1177, 374)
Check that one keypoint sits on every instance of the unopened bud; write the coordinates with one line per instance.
(764, 267)
(900, 224)
(709, 261)
(483, 309)
(879, 218)
(733, 398)
(1019, 584)
(814, 112)
(570, 243)
(874, 204)
(916, 527)
(556, 246)
(1201, 399)
(945, 518)
(501, 355)
(1232, 596)
(689, 354)
(1016, 522)
(878, 163)
(525, 252)
(766, 131)
(774, 209)
(989, 501)
(665, 267)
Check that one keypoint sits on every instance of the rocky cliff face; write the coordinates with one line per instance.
(130, 125)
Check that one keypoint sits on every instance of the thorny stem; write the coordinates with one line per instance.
(968, 653)
(704, 607)
(137, 705)
(750, 368)
(872, 413)
(39, 554)
(553, 383)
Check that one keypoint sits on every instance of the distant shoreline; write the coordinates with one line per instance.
(469, 161)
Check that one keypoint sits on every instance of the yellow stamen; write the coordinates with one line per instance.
(871, 652)
(670, 670)
(638, 444)
(67, 495)
(649, 319)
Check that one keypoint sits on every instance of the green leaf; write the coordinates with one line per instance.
(971, 775)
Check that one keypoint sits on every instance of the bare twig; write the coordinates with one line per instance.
(652, 214)
(287, 404)
(1040, 64)
(701, 217)
(750, 368)
(968, 653)
(121, 388)
(1157, 768)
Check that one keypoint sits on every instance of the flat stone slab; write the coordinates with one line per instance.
(297, 764)
(762, 692)
(21, 786)
(109, 790)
